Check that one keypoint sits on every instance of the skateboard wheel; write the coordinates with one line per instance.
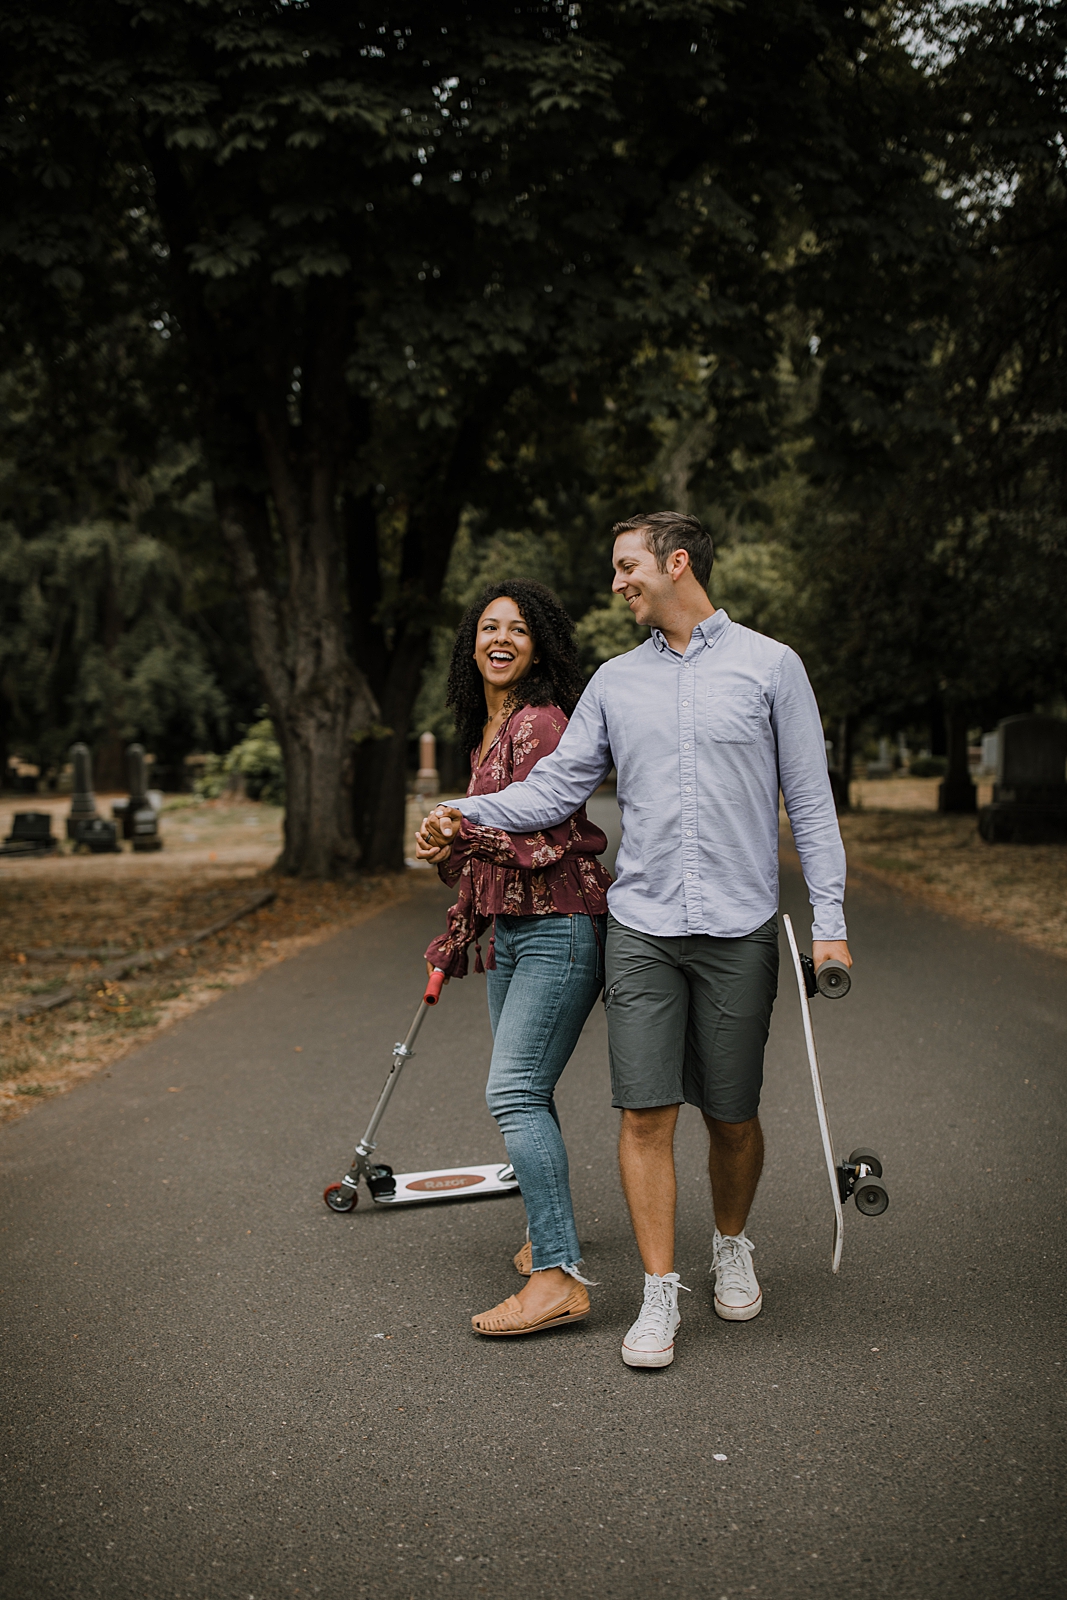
(340, 1199)
(871, 1196)
(833, 979)
(867, 1158)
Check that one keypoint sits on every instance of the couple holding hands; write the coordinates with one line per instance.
(703, 723)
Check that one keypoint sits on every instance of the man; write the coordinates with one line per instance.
(702, 723)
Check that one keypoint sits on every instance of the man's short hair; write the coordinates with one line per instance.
(667, 531)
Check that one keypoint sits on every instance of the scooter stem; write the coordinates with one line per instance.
(401, 1053)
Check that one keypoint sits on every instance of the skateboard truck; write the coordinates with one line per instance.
(860, 1177)
(831, 980)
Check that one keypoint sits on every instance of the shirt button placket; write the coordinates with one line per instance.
(690, 866)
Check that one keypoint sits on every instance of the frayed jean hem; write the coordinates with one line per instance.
(571, 1269)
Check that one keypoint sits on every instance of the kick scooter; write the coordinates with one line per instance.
(389, 1188)
(860, 1177)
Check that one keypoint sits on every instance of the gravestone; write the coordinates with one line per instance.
(82, 800)
(1030, 793)
(99, 836)
(144, 822)
(427, 781)
(137, 815)
(883, 767)
(31, 835)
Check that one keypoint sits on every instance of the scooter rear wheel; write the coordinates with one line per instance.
(338, 1198)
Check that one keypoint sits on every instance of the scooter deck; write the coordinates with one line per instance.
(820, 1099)
(449, 1183)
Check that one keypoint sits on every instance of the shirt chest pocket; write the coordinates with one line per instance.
(734, 713)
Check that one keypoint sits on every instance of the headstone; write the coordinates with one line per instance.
(82, 799)
(136, 774)
(99, 836)
(990, 754)
(1030, 793)
(427, 781)
(31, 835)
(883, 767)
(143, 827)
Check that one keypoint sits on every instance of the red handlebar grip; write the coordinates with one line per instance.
(433, 988)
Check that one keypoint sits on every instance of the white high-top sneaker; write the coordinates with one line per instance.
(738, 1297)
(650, 1342)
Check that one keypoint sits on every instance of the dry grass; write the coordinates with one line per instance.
(129, 903)
(897, 836)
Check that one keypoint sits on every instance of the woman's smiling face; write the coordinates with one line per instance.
(503, 644)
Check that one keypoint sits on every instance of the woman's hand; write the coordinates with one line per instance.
(427, 850)
(431, 969)
(430, 841)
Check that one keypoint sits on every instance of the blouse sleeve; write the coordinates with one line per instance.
(449, 950)
(537, 732)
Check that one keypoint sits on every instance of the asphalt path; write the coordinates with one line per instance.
(213, 1387)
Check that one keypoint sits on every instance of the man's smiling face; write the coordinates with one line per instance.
(638, 579)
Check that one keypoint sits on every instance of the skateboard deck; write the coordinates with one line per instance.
(820, 1099)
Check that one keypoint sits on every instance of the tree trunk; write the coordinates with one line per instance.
(841, 775)
(317, 698)
(957, 793)
(394, 665)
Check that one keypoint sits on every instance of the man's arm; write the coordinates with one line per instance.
(559, 783)
(809, 800)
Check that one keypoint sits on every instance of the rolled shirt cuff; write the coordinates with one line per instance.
(829, 921)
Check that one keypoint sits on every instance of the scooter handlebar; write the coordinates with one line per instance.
(434, 987)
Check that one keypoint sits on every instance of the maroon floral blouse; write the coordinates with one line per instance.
(553, 872)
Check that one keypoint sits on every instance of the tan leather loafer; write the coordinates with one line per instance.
(510, 1318)
(524, 1260)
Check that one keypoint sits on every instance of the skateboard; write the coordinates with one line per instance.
(860, 1177)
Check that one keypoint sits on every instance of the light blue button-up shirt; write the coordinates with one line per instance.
(701, 743)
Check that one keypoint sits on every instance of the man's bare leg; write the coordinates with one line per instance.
(735, 1161)
(646, 1163)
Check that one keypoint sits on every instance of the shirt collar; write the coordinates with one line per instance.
(704, 634)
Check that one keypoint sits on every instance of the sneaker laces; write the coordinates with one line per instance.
(731, 1267)
(660, 1304)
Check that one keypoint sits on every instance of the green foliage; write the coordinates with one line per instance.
(607, 631)
(928, 767)
(379, 276)
(257, 758)
(95, 645)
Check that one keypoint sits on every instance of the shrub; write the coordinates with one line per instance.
(928, 767)
(257, 759)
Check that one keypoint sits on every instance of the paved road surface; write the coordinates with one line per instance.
(214, 1388)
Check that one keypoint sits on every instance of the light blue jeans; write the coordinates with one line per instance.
(549, 971)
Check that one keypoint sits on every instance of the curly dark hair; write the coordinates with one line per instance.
(556, 680)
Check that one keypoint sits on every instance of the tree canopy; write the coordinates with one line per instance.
(380, 274)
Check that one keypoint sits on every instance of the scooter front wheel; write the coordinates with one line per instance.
(338, 1198)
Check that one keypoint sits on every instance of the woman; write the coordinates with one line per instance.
(513, 680)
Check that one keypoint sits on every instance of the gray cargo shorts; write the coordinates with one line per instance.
(688, 1019)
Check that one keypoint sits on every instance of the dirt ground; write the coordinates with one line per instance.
(216, 856)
